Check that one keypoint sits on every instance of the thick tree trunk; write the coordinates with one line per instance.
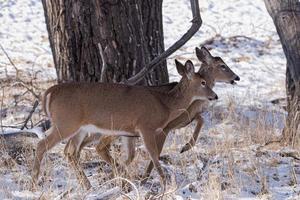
(286, 16)
(129, 32)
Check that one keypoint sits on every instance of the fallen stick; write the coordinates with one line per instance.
(36, 103)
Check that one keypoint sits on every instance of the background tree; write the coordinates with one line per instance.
(286, 17)
(128, 33)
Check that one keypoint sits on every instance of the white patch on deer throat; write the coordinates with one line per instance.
(90, 128)
(195, 98)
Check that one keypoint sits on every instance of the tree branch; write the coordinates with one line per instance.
(196, 24)
(36, 103)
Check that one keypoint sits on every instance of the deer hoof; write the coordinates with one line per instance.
(185, 148)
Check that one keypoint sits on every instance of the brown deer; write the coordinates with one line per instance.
(117, 110)
(213, 69)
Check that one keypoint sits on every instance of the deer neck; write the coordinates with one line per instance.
(178, 99)
(207, 73)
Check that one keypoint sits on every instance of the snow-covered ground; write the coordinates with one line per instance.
(228, 162)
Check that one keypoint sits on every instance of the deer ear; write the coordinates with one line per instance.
(204, 55)
(190, 69)
(180, 68)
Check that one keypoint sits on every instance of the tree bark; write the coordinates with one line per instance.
(286, 17)
(129, 33)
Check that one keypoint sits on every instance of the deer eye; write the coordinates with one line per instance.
(223, 67)
(203, 83)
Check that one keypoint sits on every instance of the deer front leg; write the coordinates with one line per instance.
(159, 140)
(151, 146)
(194, 138)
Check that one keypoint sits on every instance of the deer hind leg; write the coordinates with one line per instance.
(103, 148)
(53, 137)
(196, 133)
(90, 139)
(152, 148)
(72, 155)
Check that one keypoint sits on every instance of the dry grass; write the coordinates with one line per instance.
(228, 161)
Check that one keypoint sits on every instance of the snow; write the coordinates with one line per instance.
(228, 161)
(23, 36)
(256, 56)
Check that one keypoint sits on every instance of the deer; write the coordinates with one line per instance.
(77, 109)
(213, 69)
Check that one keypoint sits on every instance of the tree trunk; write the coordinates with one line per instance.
(286, 17)
(128, 32)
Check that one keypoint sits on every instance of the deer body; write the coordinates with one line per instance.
(213, 69)
(76, 109)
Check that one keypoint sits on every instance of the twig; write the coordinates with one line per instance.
(26, 133)
(294, 176)
(123, 179)
(36, 103)
(104, 64)
(23, 83)
(4, 126)
(294, 155)
(64, 194)
(11, 62)
(1, 107)
(196, 24)
(275, 141)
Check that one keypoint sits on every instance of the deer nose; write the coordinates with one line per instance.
(215, 98)
(237, 78)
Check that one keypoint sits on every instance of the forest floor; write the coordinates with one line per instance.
(230, 159)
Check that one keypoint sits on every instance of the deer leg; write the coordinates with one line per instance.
(151, 146)
(181, 121)
(53, 137)
(103, 149)
(71, 153)
(159, 141)
(194, 138)
(130, 144)
(86, 141)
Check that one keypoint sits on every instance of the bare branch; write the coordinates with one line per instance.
(196, 24)
(11, 62)
(104, 64)
(36, 103)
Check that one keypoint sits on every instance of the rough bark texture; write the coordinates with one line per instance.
(286, 16)
(129, 32)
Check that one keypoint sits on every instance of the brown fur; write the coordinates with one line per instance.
(212, 71)
(136, 110)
